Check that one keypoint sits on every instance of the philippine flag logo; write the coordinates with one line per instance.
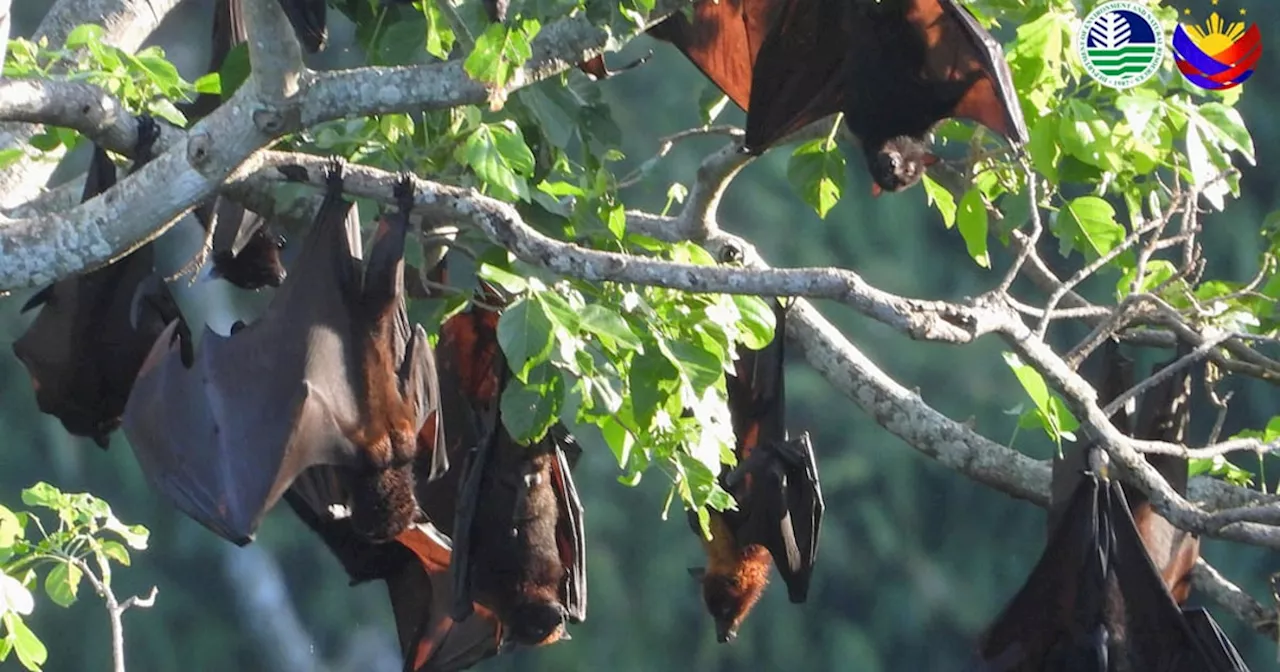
(1219, 55)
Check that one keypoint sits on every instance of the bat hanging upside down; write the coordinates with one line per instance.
(94, 330)
(332, 373)
(1096, 600)
(776, 486)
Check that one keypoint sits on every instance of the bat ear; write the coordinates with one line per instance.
(876, 189)
(928, 159)
(698, 572)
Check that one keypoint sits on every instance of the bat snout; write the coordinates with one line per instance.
(726, 634)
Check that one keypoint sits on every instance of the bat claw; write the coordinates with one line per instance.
(333, 173)
(148, 133)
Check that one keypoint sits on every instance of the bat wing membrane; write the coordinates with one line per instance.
(960, 50)
(798, 76)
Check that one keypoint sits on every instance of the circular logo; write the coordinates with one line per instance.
(1220, 55)
(1121, 44)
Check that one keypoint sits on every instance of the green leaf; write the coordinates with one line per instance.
(1230, 129)
(62, 583)
(939, 197)
(652, 379)
(498, 155)
(756, 323)
(524, 332)
(529, 410)
(10, 156)
(971, 217)
(14, 597)
(1089, 224)
(210, 83)
(816, 171)
(702, 368)
(31, 651)
(1158, 271)
(608, 324)
(1057, 420)
(84, 34)
(440, 37)
(44, 495)
(10, 528)
(1085, 135)
(503, 278)
(711, 102)
(114, 550)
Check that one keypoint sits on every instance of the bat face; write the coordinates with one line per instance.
(519, 547)
(93, 332)
(780, 503)
(415, 567)
(245, 253)
(332, 373)
(894, 67)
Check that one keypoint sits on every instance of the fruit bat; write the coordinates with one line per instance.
(519, 548)
(332, 373)
(722, 40)
(94, 330)
(776, 486)
(1164, 415)
(244, 250)
(1095, 600)
(896, 68)
(415, 567)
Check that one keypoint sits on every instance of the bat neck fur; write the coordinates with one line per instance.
(736, 576)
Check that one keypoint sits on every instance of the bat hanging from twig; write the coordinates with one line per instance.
(895, 68)
(1095, 600)
(332, 373)
(519, 545)
(94, 330)
(780, 503)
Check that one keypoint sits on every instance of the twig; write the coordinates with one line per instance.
(666, 144)
(115, 610)
(1186, 360)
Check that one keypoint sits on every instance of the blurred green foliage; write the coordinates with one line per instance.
(914, 560)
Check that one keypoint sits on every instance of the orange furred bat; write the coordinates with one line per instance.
(1095, 600)
(519, 548)
(94, 330)
(896, 68)
(776, 486)
(332, 373)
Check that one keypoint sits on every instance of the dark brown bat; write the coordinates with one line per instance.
(896, 68)
(415, 566)
(519, 548)
(722, 40)
(776, 486)
(332, 373)
(94, 330)
(1095, 600)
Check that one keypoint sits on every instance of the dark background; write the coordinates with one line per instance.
(915, 560)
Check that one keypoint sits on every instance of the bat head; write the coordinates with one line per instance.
(258, 265)
(536, 624)
(897, 164)
(730, 595)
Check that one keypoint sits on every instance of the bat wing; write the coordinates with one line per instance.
(224, 437)
(798, 76)
(465, 518)
(722, 41)
(1216, 646)
(308, 20)
(1155, 635)
(959, 50)
(421, 598)
(94, 331)
(570, 531)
